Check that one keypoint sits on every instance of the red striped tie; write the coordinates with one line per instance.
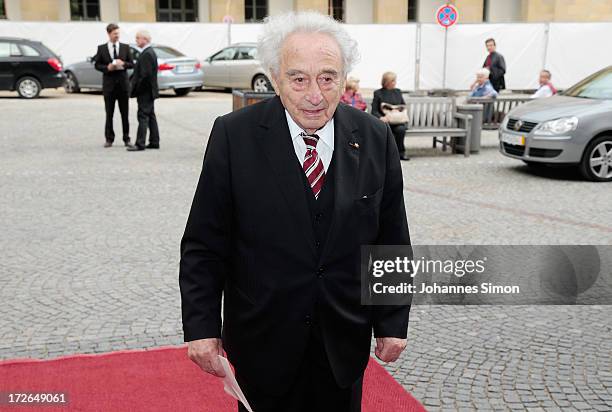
(313, 166)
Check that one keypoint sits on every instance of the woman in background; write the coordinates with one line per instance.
(391, 95)
(351, 95)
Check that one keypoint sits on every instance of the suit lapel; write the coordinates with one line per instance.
(347, 144)
(275, 140)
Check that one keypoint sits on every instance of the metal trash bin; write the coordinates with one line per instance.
(476, 111)
(242, 98)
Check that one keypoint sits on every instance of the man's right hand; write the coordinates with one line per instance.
(204, 353)
(110, 67)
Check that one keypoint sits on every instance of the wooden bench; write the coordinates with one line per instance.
(437, 117)
(495, 109)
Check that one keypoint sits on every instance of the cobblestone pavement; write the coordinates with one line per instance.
(90, 249)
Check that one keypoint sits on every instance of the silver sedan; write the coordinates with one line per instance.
(175, 71)
(572, 128)
(236, 66)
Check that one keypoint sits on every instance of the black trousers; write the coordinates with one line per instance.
(315, 388)
(147, 120)
(110, 97)
(399, 132)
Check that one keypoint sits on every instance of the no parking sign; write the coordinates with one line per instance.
(447, 15)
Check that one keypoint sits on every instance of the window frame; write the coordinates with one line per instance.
(83, 4)
(331, 9)
(182, 10)
(252, 4)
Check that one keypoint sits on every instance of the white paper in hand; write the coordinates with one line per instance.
(231, 385)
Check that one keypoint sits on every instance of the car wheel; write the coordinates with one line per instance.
(182, 92)
(596, 164)
(261, 83)
(28, 87)
(71, 85)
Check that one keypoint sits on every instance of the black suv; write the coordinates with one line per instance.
(28, 67)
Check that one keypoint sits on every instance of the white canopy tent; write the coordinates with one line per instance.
(571, 51)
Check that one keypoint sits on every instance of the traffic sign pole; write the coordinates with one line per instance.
(446, 16)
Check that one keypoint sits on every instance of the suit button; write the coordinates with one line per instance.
(308, 320)
(318, 217)
(320, 272)
(317, 244)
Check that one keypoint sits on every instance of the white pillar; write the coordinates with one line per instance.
(359, 11)
(109, 11)
(63, 10)
(279, 6)
(13, 9)
(204, 11)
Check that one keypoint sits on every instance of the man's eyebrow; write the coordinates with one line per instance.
(330, 71)
(293, 72)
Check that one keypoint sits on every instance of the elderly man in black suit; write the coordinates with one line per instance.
(113, 59)
(290, 188)
(144, 88)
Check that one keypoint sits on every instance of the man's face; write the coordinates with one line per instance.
(113, 36)
(490, 46)
(310, 80)
(481, 79)
(141, 41)
(544, 77)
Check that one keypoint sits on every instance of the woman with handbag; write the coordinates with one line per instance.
(389, 106)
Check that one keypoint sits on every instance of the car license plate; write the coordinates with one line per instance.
(513, 139)
(185, 68)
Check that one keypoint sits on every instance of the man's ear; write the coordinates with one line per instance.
(274, 80)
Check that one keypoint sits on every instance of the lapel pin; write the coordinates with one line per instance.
(354, 145)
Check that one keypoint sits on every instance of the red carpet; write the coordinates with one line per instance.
(161, 379)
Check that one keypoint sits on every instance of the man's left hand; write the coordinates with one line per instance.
(389, 349)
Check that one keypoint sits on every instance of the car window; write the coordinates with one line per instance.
(225, 54)
(165, 52)
(5, 49)
(135, 53)
(246, 53)
(15, 52)
(29, 51)
(597, 86)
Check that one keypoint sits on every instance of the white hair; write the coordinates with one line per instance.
(484, 71)
(145, 34)
(277, 28)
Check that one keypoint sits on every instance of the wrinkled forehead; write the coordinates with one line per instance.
(311, 53)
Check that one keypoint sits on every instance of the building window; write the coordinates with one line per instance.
(2, 10)
(485, 10)
(255, 10)
(177, 10)
(336, 9)
(85, 9)
(412, 10)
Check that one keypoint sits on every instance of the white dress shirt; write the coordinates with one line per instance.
(543, 91)
(110, 49)
(325, 146)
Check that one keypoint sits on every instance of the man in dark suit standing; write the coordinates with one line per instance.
(144, 88)
(497, 66)
(290, 189)
(113, 59)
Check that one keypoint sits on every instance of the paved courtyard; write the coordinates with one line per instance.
(90, 251)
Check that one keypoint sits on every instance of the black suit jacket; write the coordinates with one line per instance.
(144, 78)
(116, 78)
(498, 70)
(249, 236)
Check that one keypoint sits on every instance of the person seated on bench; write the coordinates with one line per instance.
(482, 87)
(351, 95)
(393, 96)
(546, 88)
